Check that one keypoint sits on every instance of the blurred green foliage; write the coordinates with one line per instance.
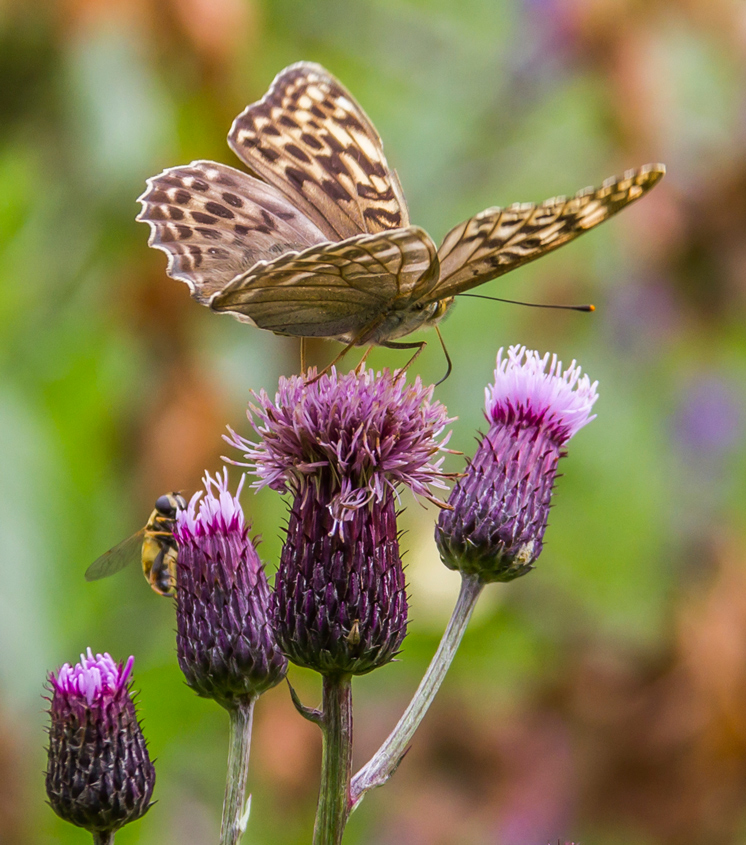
(603, 698)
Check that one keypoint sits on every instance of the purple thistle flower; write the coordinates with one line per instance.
(99, 775)
(500, 506)
(372, 432)
(342, 445)
(225, 644)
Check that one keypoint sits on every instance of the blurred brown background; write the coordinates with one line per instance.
(601, 699)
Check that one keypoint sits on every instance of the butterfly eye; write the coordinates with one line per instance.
(166, 506)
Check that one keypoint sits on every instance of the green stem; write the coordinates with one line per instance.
(103, 837)
(235, 808)
(383, 764)
(336, 761)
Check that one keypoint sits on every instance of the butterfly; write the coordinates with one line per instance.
(317, 242)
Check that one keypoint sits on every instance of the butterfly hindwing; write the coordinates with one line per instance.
(215, 222)
(334, 289)
(498, 240)
(309, 138)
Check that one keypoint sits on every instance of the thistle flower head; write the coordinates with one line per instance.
(361, 434)
(94, 679)
(343, 445)
(500, 506)
(525, 391)
(217, 513)
(225, 645)
(99, 775)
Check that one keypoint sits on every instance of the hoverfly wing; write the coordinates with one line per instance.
(215, 222)
(309, 138)
(333, 289)
(498, 240)
(121, 555)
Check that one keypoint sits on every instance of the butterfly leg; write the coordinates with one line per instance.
(362, 361)
(303, 356)
(355, 342)
(331, 363)
(419, 346)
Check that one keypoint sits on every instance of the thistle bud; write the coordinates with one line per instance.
(342, 445)
(499, 507)
(226, 647)
(99, 775)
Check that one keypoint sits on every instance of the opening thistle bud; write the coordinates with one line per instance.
(342, 445)
(226, 647)
(500, 506)
(99, 775)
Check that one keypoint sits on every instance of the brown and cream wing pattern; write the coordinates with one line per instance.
(215, 222)
(309, 138)
(333, 290)
(498, 240)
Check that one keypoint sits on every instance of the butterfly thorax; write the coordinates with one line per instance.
(401, 322)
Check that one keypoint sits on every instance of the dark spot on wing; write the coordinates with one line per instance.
(268, 153)
(332, 164)
(387, 219)
(219, 210)
(209, 234)
(182, 197)
(297, 152)
(175, 213)
(351, 122)
(185, 232)
(368, 192)
(232, 199)
(200, 217)
(240, 229)
(199, 185)
(268, 221)
(333, 144)
(334, 190)
(286, 120)
(295, 176)
(311, 141)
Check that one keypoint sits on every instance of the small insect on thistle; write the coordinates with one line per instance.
(320, 244)
(154, 546)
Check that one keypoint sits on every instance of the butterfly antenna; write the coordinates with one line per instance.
(585, 308)
(449, 369)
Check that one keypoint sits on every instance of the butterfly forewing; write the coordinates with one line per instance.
(310, 139)
(498, 240)
(121, 555)
(334, 290)
(215, 222)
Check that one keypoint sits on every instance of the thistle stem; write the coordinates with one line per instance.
(103, 837)
(235, 808)
(384, 762)
(336, 761)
